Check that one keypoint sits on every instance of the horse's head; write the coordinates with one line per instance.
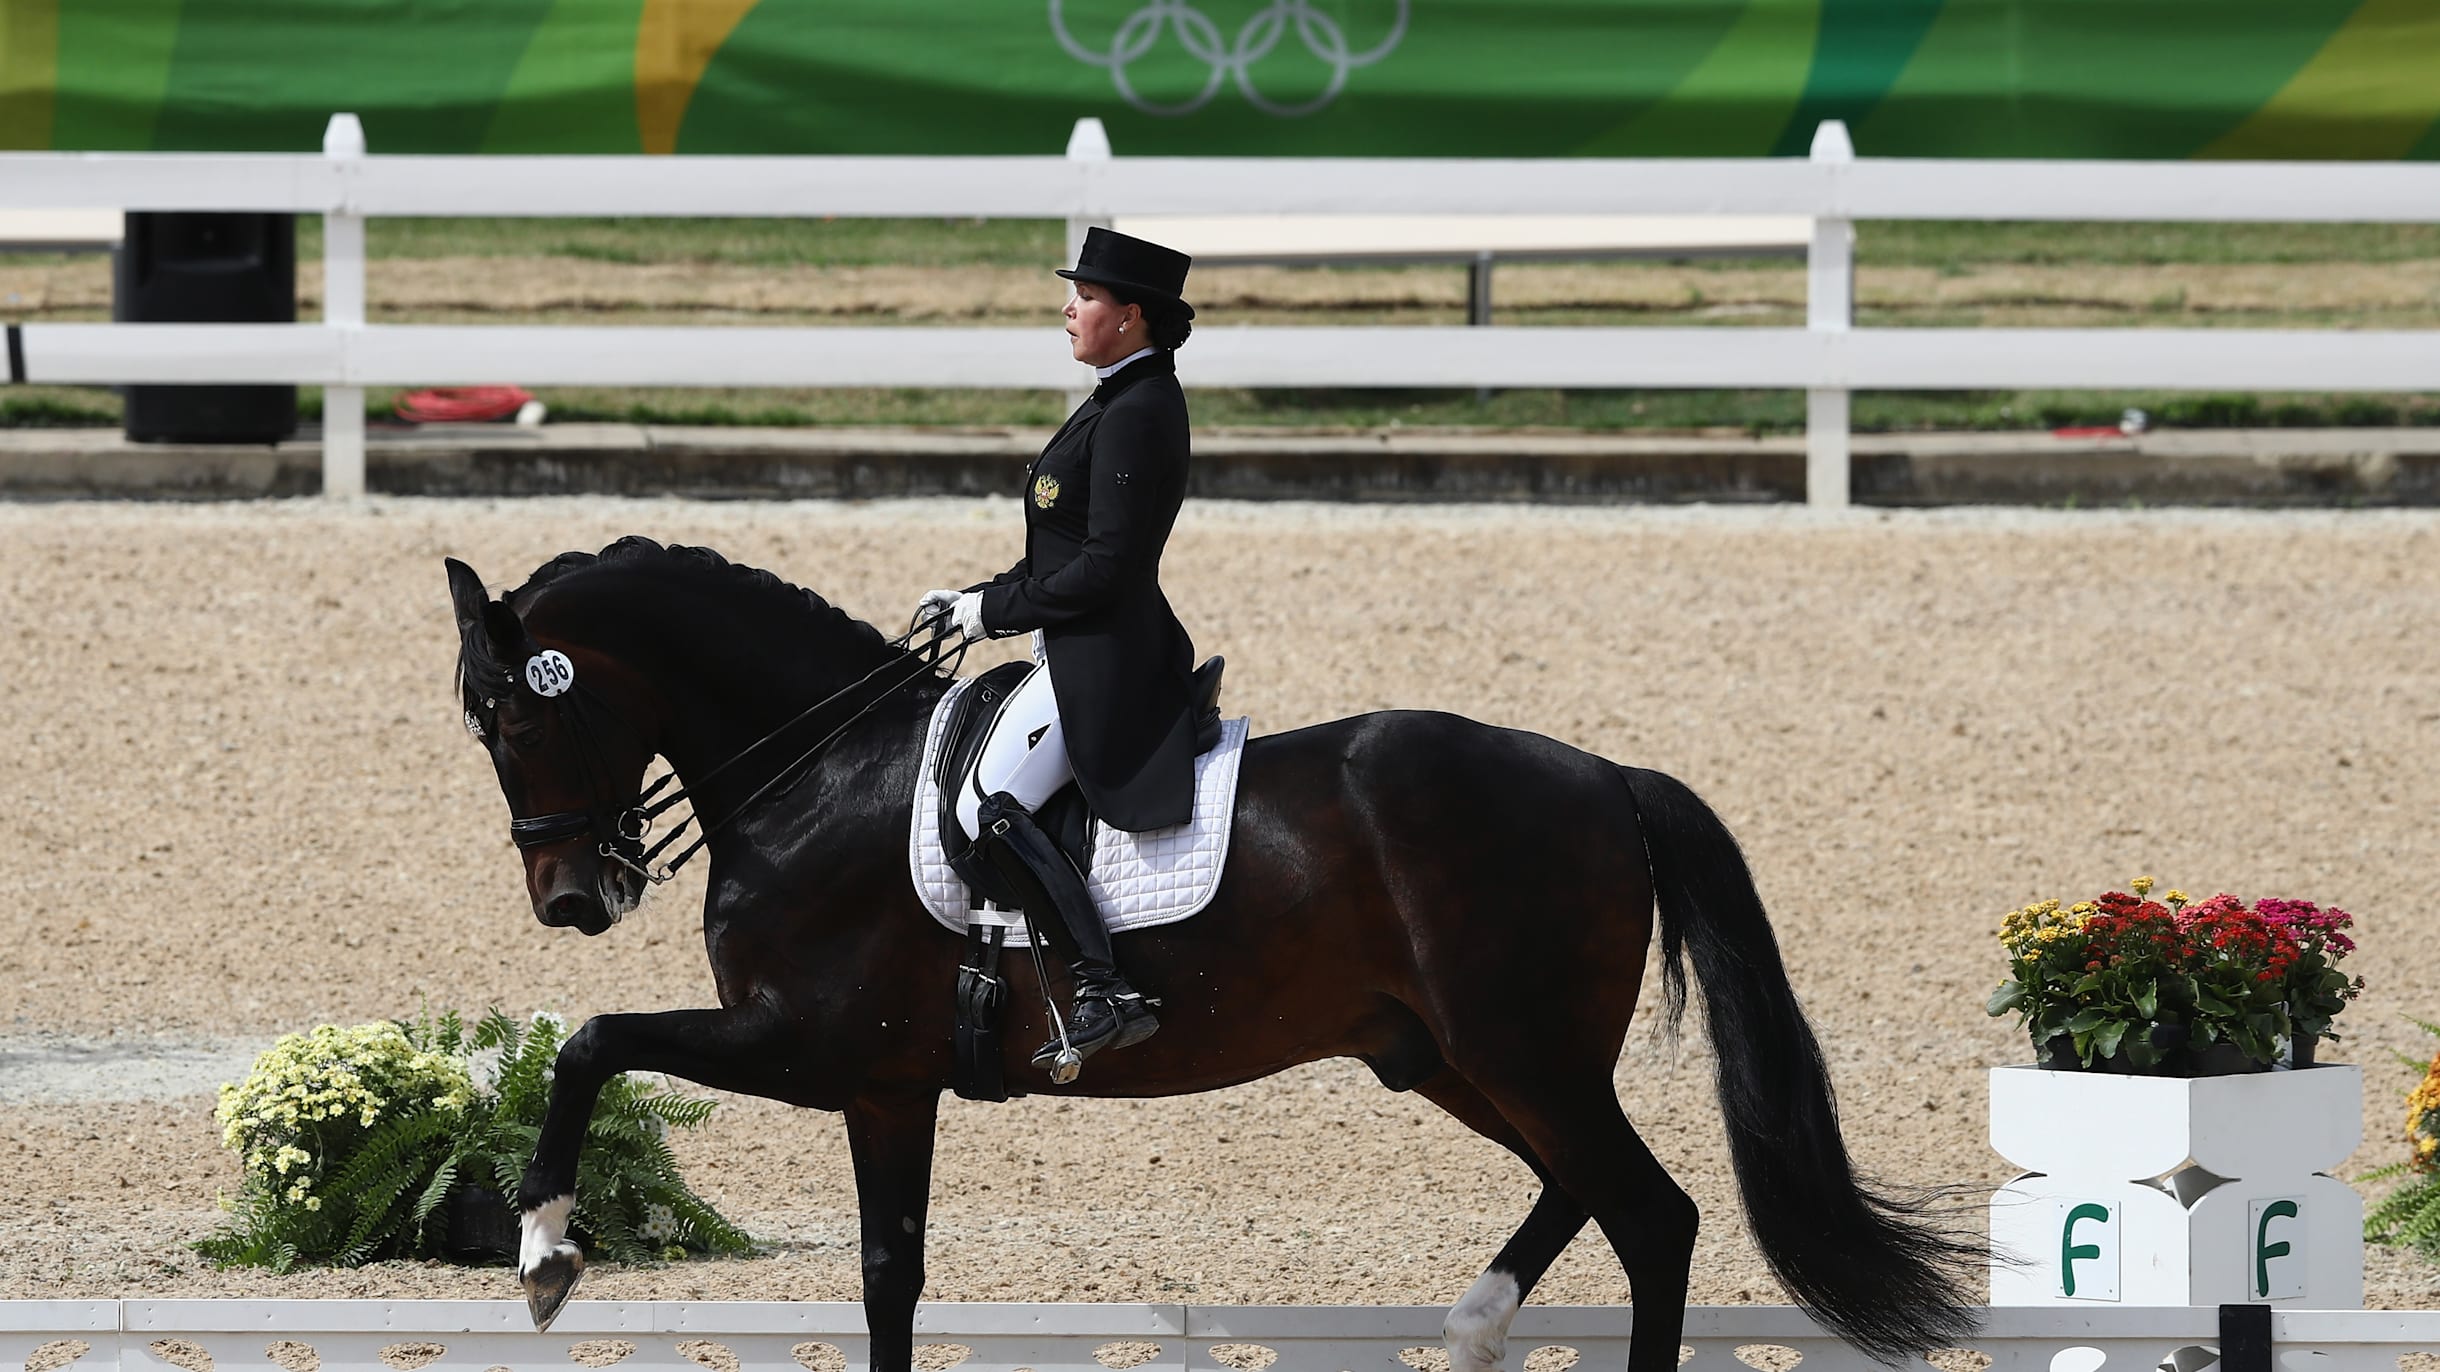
(569, 736)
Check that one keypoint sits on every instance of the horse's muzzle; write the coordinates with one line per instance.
(582, 911)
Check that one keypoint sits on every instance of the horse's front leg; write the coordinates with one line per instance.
(889, 1136)
(729, 1050)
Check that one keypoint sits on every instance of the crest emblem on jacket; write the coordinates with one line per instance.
(1046, 492)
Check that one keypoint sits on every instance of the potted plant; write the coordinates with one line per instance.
(406, 1139)
(2124, 983)
(2164, 1162)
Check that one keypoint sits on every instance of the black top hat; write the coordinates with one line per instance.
(1132, 265)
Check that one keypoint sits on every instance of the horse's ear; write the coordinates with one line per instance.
(466, 594)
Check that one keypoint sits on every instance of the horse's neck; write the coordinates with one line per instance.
(735, 748)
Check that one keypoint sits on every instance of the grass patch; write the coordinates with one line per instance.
(59, 407)
(1944, 243)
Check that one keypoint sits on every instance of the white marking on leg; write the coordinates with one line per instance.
(1477, 1329)
(546, 1232)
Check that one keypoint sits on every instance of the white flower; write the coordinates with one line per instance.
(660, 1223)
(485, 1067)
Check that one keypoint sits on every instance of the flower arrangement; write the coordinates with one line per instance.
(2174, 987)
(352, 1141)
(2409, 1217)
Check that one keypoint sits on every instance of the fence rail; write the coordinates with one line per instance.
(680, 1336)
(1828, 359)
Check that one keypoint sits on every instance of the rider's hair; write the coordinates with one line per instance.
(1168, 321)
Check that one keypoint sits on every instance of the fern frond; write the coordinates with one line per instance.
(435, 1191)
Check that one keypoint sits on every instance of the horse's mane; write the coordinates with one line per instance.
(639, 555)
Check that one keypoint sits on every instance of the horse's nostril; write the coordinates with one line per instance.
(564, 909)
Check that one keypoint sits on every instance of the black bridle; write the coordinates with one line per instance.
(620, 828)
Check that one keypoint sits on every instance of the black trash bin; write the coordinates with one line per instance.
(182, 268)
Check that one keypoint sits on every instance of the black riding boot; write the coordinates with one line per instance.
(1108, 1012)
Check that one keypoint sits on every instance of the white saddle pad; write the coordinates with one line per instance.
(1159, 876)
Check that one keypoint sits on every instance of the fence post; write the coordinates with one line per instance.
(343, 312)
(1089, 146)
(1829, 309)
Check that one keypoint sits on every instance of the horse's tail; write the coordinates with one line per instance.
(1874, 1269)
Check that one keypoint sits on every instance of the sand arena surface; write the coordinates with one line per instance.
(240, 802)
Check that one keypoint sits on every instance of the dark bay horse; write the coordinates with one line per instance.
(1466, 909)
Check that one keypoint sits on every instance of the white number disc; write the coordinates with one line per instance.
(549, 672)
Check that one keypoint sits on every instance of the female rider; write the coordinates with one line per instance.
(1108, 707)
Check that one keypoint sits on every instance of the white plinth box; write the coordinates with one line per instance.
(2177, 1191)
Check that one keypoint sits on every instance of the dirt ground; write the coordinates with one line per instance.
(239, 801)
(2363, 295)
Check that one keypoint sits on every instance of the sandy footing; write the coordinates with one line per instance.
(242, 802)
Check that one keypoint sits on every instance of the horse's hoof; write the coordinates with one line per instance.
(550, 1282)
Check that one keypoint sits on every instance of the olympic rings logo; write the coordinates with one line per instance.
(1322, 35)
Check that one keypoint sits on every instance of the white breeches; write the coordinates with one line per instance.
(1026, 754)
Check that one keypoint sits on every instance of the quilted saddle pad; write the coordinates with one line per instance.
(1159, 876)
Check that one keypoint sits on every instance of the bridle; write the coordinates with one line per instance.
(620, 829)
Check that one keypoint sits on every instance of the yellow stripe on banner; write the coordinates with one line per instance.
(2371, 92)
(29, 71)
(674, 42)
(1737, 99)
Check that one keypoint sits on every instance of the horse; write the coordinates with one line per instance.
(1465, 909)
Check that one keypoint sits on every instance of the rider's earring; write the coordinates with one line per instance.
(1122, 328)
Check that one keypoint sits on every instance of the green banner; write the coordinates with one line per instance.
(1973, 78)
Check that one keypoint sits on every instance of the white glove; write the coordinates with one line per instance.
(969, 613)
(934, 604)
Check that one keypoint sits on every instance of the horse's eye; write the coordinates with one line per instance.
(523, 735)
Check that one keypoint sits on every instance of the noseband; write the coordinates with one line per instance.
(620, 829)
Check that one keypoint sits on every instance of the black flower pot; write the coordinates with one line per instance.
(2300, 1050)
(478, 1226)
(2169, 1040)
(2221, 1060)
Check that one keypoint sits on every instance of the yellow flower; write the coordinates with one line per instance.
(2142, 886)
(2175, 896)
(313, 1202)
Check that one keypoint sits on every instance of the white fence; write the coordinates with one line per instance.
(473, 1336)
(1828, 359)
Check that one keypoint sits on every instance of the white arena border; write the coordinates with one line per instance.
(1829, 358)
(350, 1335)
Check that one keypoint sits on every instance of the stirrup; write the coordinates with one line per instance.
(1128, 1021)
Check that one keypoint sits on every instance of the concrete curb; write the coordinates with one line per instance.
(2280, 467)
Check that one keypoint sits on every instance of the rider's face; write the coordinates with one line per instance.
(1100, 330)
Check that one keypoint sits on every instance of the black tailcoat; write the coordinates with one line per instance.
(1099, 503)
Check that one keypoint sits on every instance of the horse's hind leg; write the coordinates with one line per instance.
(1477, 1327)
(1589, 1151)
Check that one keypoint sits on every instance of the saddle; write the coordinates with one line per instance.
(1066, 817)
(981, 993)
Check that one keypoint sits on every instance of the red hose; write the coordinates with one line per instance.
(461, 404)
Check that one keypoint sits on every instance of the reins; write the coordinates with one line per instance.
(622, 838)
